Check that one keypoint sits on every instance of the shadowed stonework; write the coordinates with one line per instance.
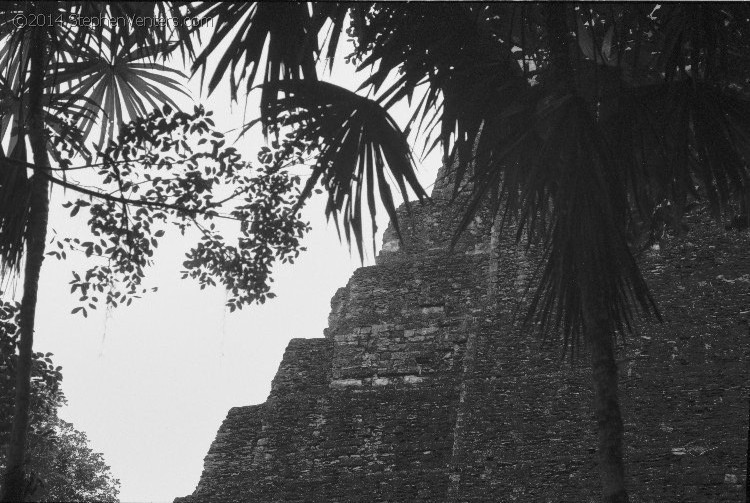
(423, 388)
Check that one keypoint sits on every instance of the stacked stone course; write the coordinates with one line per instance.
(425, 389)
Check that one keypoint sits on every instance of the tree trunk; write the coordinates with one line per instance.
(600, 336)
(599, 329)
(14, 487)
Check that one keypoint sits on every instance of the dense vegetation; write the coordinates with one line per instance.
(62, 466)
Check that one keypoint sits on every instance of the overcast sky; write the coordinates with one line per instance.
(150, 383)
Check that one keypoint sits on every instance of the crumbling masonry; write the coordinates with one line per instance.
(425, 390)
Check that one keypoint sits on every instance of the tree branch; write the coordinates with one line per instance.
(119, 199)
(190, 212)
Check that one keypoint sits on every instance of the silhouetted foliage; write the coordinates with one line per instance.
(173, 169)
(60, 78)
(60, 464)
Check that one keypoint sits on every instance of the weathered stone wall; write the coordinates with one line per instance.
(425, 389)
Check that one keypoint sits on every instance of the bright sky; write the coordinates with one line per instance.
(150, 383)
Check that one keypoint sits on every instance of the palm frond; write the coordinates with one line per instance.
(574, 181)
(357, 141)
(116, 87)
(287, 29)
(15, 190)
(719, 142)
(680, 142)
(469, 72)
(336, 13)
(157, 33)
(556, 178)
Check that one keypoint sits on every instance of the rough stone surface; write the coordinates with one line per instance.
(425, 389)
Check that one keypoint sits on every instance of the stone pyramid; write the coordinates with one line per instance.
(425, 390)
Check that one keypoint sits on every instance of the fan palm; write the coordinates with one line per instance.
(57, 80)
(581, 122)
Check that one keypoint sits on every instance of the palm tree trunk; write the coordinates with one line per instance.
(14, 486)
(600, 336)
(599, 329)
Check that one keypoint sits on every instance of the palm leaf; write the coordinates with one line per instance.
(288, 29)
(156, 38)
(574, 181)
(683, 141)
(549, 170)
(357, 141)
(125, 83)
(470, 73)
(15, 190)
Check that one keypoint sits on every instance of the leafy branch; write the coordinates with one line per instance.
(172, 167)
